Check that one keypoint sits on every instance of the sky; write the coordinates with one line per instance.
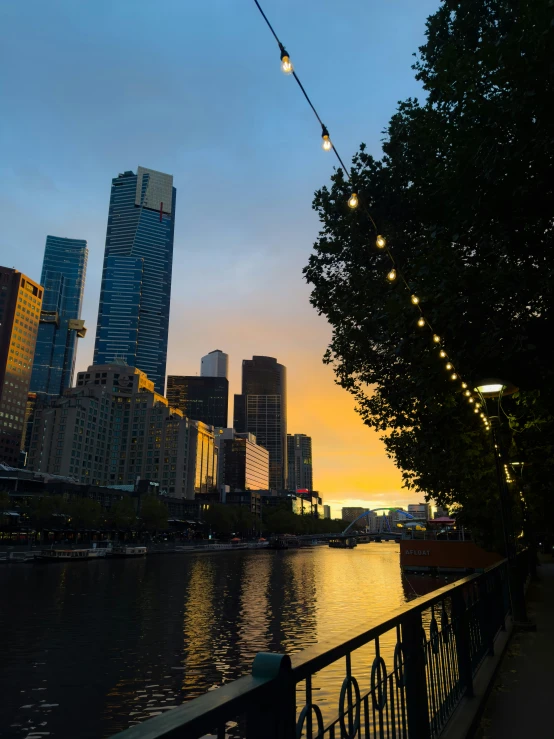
(194, 89)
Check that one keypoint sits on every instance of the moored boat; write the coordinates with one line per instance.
(343, 543)
(125, 550)
(63, 555)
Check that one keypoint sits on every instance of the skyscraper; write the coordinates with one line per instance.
(215, 364)
(63, 279)
(299, 457)
(133, 315)
(261, 409)
(20, 304)
(203, 399)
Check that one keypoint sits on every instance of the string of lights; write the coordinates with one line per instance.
(394, 273)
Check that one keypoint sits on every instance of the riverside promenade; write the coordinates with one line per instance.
(520, 702)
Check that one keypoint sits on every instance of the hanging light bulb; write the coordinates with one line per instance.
(464, 385)
(353, 201)
(391, 277)
(326, 144)
(471, 401)
(421, 322)
(286, 64)
(476, 410)
(468, 393)
(442, 353)
(380, 243)
(453, 376)
(415, 299)
(449, 365)
(477, 405)
(436, 338)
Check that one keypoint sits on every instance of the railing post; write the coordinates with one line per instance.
(274, 715)
(417, 705)
(460, 617)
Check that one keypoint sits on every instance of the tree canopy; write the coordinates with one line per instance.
(464, 196)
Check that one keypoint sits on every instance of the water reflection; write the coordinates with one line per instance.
(91, 648)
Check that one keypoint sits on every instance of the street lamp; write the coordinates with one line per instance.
(495, 388)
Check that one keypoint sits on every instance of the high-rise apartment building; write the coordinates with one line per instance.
(326, 511)
(133, 315)
(20, 306)
(200, 398)
(261, 409)
(299, 457)
(243, 464)
(215, 364)
(63, 279)
(113, 428)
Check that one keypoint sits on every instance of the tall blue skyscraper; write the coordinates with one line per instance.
(133, 315)
(63, 278)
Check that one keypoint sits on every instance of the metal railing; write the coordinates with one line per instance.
(424, 658)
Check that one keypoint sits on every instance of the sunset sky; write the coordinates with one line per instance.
(194, 89)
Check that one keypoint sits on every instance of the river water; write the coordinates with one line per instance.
(89, 648)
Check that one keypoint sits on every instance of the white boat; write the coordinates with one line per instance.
(128, 551)
(64, 555)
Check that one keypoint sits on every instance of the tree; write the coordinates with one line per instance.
(463, 195)
(244, 521)
(43, 509)
(220, 519)
(153, 513)
(84, 513)
(122, 514)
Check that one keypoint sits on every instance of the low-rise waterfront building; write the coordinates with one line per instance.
(113, 428)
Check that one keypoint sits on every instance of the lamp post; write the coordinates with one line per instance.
(495, 389)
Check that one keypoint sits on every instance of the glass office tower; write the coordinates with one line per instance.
(133, 315)
(200, 398)
(63, 277)
(261, 409)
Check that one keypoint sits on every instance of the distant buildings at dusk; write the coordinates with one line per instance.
(115, 424)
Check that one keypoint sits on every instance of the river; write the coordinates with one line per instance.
(89, 648)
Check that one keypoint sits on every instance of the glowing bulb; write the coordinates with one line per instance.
(421, 322)
(353, 201)
(286, 64)
(476, 410)
(326, 144)
(436, 338)
(471, 401)
(477, 405)
(468, 393)
(464, 385)
(391, 277)
(415, 299)
(449, 365)
(380, 243)
(453, 376)
(442, 353)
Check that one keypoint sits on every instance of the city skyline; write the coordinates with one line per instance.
(245, 226)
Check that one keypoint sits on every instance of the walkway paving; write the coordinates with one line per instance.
(522, 699)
